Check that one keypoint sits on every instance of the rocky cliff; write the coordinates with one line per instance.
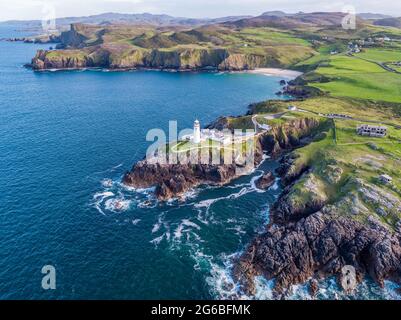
(173, 180)
(310, 237)
(183, 59)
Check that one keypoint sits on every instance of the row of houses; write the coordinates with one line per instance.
(338, 116)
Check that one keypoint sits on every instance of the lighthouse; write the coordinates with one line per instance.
(197, 132)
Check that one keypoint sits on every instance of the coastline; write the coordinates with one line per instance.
(270, 72)
(276, 72)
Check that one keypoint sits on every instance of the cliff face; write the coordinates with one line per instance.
(188, 59)
(70, 59)
(173, 180)
(311, 237)
(317, 246)
(73, 38)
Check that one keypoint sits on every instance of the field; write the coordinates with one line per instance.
(339, 150)
(358, 78)
(381, 55)
(357, 108)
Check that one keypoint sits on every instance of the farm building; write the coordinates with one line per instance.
(371, 131)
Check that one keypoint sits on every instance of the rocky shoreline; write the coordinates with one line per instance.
(174, 180)
(303, 242)
(313, 242)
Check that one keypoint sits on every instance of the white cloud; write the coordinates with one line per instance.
(32, 9)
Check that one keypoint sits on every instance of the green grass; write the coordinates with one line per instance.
(75, 54)
(357, 78)
(380, 55)
(271, 36)
(358, 108)
(356, 158)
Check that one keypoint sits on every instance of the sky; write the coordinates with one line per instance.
(37, 9)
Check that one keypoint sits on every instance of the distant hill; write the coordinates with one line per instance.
(275, 14)
(389, 22)
(373, 16)
(161, 20)
(290, 21)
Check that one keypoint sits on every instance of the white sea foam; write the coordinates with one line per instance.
(107, 183)
(202, 261)
(117, 205)
(99, 198)
(178, 232)
(158, 224)
(147, 204)
(275, 186)
(236, 186)
(189, 223)
(221, 282)
(135, 222)
(144, 191)
(202, 217)
(117, 166)
(103, 195)
(189, 195)
(157, 240)
(207, 203)
(223, 286)
(238, 230)
(329, 290)
(156, 227)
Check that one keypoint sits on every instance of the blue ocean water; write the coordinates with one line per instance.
(64, 134)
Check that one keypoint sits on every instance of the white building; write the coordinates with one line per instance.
(197, 132)
(202, 135)
(372, 131)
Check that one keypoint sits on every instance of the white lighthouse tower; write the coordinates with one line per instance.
(197, 132)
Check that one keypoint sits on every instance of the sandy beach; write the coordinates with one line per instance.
(277, 72)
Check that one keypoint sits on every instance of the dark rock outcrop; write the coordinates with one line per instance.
(51, 38)
(173, 180)
(73, 38)
(313, 287)
(265, 181)
(301, 91)
(321, 243)
(308, 237)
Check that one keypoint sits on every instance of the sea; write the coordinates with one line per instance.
(66, 140)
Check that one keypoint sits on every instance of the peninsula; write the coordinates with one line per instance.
(338, 141)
